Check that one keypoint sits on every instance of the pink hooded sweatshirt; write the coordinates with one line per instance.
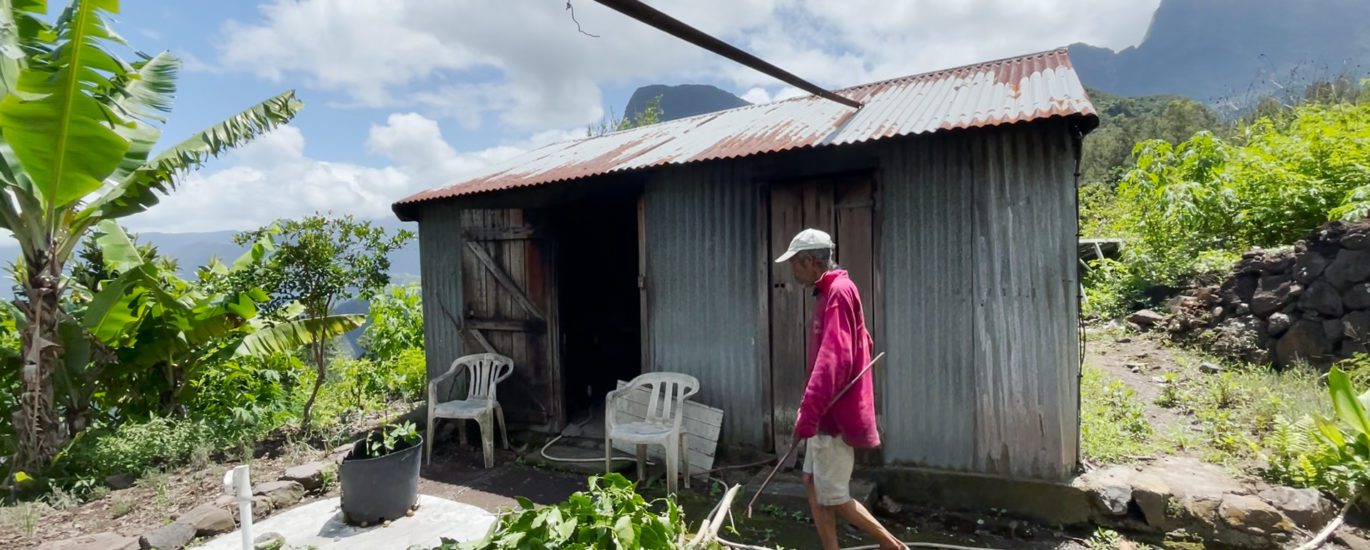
(839, 348)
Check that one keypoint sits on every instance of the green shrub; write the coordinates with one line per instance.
(246, 398)
(1194, 206)
(611, 514)
(136, 448)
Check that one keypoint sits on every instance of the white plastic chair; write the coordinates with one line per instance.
(484, 372)
(661, 425)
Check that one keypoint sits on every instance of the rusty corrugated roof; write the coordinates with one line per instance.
(1018, 89)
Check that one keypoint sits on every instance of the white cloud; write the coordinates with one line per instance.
(756, 94)
(273, 178)
(524, 64)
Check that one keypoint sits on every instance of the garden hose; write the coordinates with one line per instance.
(553, 441)
(907, 544)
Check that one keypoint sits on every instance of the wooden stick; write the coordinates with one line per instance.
(794, 445)
(1332, 526)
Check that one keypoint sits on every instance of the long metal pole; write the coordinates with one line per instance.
(675, 27)
(794, 445)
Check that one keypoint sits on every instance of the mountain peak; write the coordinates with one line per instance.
(684, 100)
(1212, 50)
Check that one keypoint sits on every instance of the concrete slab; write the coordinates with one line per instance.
(320, 524)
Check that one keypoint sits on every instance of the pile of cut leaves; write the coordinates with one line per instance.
(611, 514)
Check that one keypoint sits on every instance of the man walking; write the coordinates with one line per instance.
(839, 348)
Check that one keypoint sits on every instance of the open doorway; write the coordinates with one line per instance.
(597, 257)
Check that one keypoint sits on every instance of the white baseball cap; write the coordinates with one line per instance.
(808, 239)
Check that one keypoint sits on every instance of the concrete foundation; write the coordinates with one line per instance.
(320, 524)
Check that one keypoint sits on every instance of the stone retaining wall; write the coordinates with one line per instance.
(1308, 304)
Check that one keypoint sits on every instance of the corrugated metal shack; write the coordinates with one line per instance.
(952, 198)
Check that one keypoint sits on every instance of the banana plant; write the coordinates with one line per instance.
(1352, 448)
(162, 331)
(78, 127)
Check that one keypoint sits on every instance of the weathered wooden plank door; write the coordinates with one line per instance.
(844, 208)
(507, 278)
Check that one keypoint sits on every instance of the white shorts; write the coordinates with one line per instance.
(829, 460)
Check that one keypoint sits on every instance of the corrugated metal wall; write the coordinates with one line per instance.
(702, 289)
(982, 376)
(440, 253)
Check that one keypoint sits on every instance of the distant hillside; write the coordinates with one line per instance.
(682, 101)
(192, 250)
(1230, 52)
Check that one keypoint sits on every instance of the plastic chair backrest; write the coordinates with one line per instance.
(484, 371)
(668, 392)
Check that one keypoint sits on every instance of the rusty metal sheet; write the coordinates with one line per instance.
(1020, 89)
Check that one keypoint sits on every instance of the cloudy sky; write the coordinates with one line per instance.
(403, 95)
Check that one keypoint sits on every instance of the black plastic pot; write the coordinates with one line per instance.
(380, 489)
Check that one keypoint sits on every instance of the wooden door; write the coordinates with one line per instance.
(507, 282)
(844, 208)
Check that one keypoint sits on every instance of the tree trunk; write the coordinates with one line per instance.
(40, 431)
(320, 373)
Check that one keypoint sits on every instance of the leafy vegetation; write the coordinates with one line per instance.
(319, 263)
(1194, 205)
(1331, 453)
(651, 114)
(1113, 421)
(391, 438)
(610, 514)
(77, 128)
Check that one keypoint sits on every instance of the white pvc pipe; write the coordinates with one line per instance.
(239, 483)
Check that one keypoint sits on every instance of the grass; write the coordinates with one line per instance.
(23, 517)
(122, 506)
(1230, 414)
(1114, 421)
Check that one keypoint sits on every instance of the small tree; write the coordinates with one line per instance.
(321, 262)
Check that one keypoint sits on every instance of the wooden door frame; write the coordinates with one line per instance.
(762, 188)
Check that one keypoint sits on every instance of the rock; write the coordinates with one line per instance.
(1351, 541)
(1239, 337)
(281, 493)
(1309, 267)
(888, 506)
(1136, 367)
(1200, 510)
(1110, 489)
(1356, 326)
(1277, 262)
(1332, 329)
(1210, 368)
(1306, 507)
(172, 536)
(1305, 341)
(1145, 319)
(1357, 297)
(312, 475)
(120, 481)
(1350, 267)
(1238, 290)
(1323, 298)
(98, 541)
(1152, 495)
(1356, 241)
(209, 519)
(1271, 295)
(1250, 514)
(1243, 309)
(1277, 324)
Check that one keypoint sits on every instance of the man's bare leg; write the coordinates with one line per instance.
(857, 514)
(823, 517)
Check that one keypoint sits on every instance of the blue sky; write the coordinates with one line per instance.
(403, 95)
